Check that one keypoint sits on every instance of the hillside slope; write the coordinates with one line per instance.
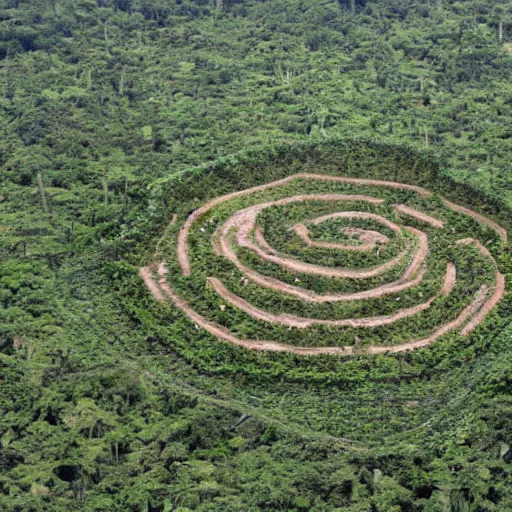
(112, 401)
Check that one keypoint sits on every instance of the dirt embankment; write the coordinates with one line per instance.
(243, 225)
(302, 322)
(182, 248)
(222, 333)
(406, 210)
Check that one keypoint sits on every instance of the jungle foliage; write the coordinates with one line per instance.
(108, 111)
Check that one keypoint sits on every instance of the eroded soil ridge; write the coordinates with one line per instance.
(241, 231)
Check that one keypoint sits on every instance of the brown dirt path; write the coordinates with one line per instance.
(480, 218)
(293, 265)
(264, 345)
(357, 215)
(499, 287)
(243, 222)
(146, 273)
(402, 208)
(224, 248)
(182, 247)
(302, 323)
(368, 239)
(499, 291)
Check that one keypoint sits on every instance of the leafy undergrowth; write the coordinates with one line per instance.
(110, 401)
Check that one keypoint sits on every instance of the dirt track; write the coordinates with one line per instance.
(243, 223)
(242, 227)
(182, 245)
(302, 323)
(182, 248)
(368, 239)
(222, 246)
(499, 287)
(264, 345)
(480, 218)
(402, 208)
(146, 273)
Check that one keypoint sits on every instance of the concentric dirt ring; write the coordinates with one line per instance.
(241, 231)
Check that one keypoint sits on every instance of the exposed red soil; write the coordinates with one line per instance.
(402, 208)
(146, 273)
(182, 246)
(242, 225)
(368, 239)
(480, 218)
(302, 323)
(264, 345)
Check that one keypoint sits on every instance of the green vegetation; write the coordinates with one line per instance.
(474, 269)
(112, 401)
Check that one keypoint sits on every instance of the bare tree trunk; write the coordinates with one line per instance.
(11, 90)
(240, 420)
(40, 185)
(426, 136)
(104, 183)
(500, 33)
(121, 83)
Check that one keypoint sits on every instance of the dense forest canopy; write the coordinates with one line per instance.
(114, 115)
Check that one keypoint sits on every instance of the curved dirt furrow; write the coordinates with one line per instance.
(241, 230)
(224, 248)
(366, 235)
(450, 280)
(182, 244)
(411, 212)
(502, 232)
(419, 256)
(463, 317)
(499, 286)
(357, 215)
(243, 222)
(480, 246)
(368, 239)
(302, 323)
(293, 265)
(499, 292)
(264, 345)
(146, 273)
(260, 240)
